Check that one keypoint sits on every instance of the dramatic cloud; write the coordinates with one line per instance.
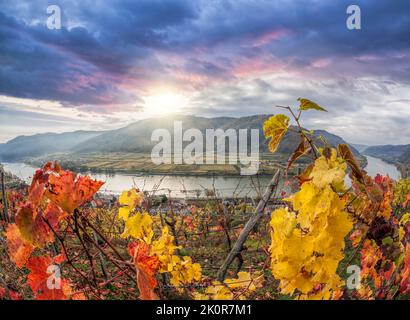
(226, 57)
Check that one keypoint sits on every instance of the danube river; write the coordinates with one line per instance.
(190, 186)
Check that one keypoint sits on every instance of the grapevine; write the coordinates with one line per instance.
(336, 217)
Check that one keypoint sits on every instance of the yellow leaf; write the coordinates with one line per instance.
(307, 245)
(201, 296)
(283, 222)
(139, 227)
(219, 292)
(306, 104)
(124, 213)
(275, 128)
(244, 280)
(129, 200)
(164, 248)
(329, 172)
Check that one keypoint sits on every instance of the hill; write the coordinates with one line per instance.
(405, 157)
(136, 138)
(359, 147)
(42, 144)
(390, 153)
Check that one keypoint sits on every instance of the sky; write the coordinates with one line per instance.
(115, 62)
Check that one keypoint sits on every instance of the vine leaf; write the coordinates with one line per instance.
(40, 179)
(306, 104)
(302, 148)
(351, 161)
(129, 200)
(275, 128)
(147, 266)
(305, 175)
(69, 191)
(19, 250)
(32, 227)
(38, 280)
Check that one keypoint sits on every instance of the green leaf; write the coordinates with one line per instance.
(387, 240)
(399, 259)
(306, 104)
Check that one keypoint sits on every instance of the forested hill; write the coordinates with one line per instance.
(136, 137)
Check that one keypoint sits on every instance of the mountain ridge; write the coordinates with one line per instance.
(43, 143)
(136, 137)
(395, 154)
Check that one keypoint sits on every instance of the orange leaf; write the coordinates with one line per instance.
(78, 296)
(32, 227)
(147, 266)
(60, 258)
(39, 182)
(38, 280)
(19, 250)
(69, 192)
(405, 281)
(54, 214)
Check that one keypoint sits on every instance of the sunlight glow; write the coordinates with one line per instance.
(164, 103)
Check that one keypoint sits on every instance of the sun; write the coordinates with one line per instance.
(164, 103)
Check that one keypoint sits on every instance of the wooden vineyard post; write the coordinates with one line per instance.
(103, 263)
(3, 196)
(237, 247)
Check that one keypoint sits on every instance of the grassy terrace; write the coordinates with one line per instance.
(142, 163)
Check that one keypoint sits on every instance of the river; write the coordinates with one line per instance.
(375, 166)
(190, 186)
(178, 186)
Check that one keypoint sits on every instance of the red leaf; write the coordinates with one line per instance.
(38, 280)
(14, 295)
(2, 293)
(69, 192)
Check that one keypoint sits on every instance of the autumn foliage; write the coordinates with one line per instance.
(67, 245)
(53, 196)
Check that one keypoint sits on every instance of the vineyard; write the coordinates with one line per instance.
(341, 235)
